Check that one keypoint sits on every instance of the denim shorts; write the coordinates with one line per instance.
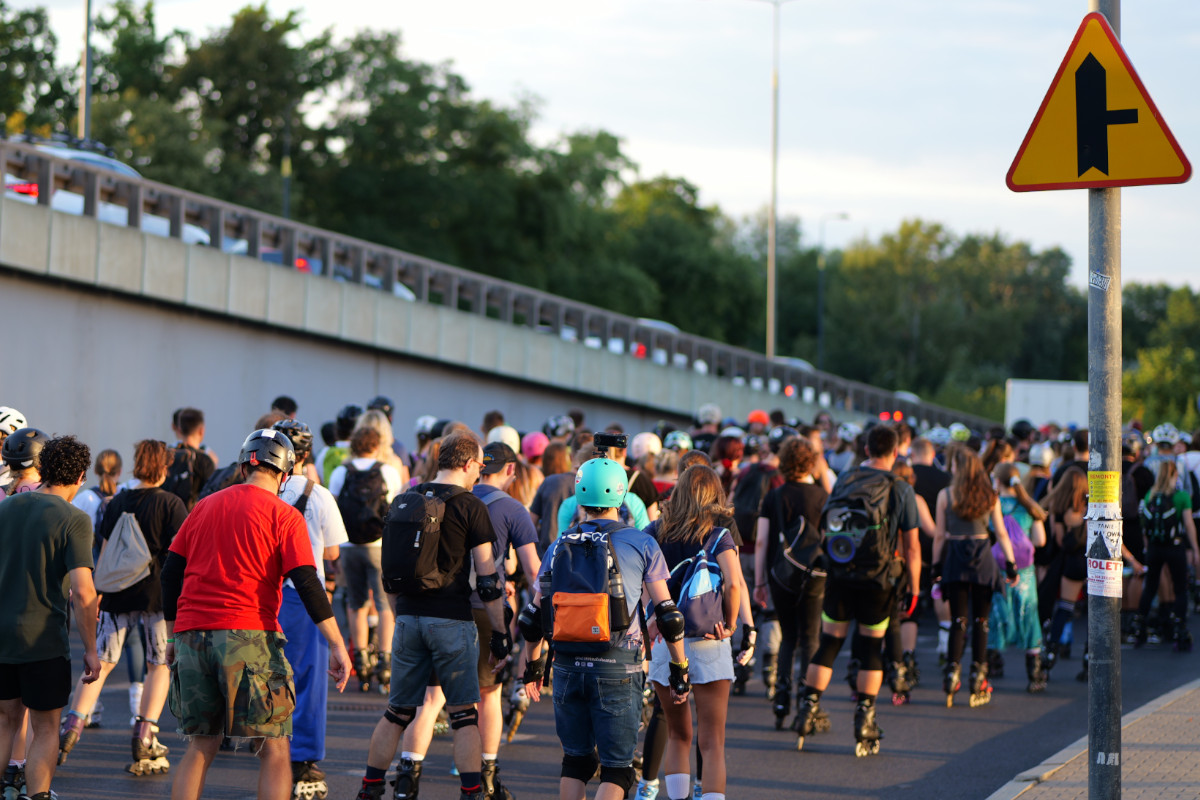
(709, 660)
(600, 713)
(114, 628)
(361, 573)
(421, 645)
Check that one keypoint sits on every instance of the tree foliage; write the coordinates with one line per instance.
(397, 151)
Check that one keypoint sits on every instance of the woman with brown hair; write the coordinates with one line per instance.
(158, 514)
(558, 485)
(963, 564)
(694, 519)
(1067, 504)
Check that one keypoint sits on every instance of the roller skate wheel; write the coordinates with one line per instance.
(155, 766)
(949, 701)
(862, 749)
(799, 742)
(899, 699)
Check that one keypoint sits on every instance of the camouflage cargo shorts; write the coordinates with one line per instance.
(232, 683)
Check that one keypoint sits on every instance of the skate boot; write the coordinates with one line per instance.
(518, 704)
(1137, 630)
(308, 781)
(492, 788)
(742, 673)
(475, 794)
(901, 685)
(646, 790)
(14, 782)
(981, 690)
(363, 669)
(1036, 672)
(372, 790)
(852, 667)
(809, 717)
(951, 682)
(68, 735)
(383, 673)
(769, 672)
(995, 661)
(408, 779)
(149, 755)
(910, 665)
(1183, 637)
(1050, 655)
(866, 732)
(781, 703)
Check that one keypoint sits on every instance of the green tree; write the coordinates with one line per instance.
(1164, 384)
(35, 95)
(129, 55)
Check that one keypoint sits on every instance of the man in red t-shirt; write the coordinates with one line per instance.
(222, 585)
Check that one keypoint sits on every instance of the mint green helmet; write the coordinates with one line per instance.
(601, 483)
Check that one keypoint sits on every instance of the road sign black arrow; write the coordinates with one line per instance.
(1092, 115)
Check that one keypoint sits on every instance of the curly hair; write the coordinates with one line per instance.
(63, 460)
(695, 508)
(796, 459)
(971, 490)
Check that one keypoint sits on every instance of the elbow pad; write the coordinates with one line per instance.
(670, 620)
(530, 623)
(488, 587)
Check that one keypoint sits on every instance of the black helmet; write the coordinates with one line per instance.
(384, 404)
(559, 426)
(22, 448)
(298, 434)
(269, 448)
(780, 434)
(349, 415)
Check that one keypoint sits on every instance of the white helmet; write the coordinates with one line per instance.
(1041, 455)
(848, 430)
(425, 425)
(959, 432)
(940, 436)
(506, 434)
(11, 420)
(645, 443)
(1167, 433)
(709, 414)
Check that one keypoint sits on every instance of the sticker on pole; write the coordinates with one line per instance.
(1104, 574)
(1097, 126)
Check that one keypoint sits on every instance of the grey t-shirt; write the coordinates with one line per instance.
(44, 537)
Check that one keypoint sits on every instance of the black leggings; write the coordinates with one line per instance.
(799, 626)
(976, 600)
(1174, 557)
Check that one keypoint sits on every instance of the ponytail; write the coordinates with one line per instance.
(1007, 476)
(108, 469)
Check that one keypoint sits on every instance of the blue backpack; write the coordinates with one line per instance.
(697, 587)
(583, 594)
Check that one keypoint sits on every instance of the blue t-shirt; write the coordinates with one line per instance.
(640, 561)
(512, 524)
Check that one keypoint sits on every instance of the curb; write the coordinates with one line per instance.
(1032, 777)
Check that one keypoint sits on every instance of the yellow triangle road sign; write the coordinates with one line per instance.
(1097, 126)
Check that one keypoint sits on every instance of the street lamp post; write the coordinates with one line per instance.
(821, 284)
(85, 87)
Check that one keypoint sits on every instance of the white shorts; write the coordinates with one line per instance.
(114, 628)
(709, 660)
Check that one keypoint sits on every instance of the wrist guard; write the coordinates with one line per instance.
(1010, 570)
(500, 644)
(535, 669)
(680, 683)
(749, 639)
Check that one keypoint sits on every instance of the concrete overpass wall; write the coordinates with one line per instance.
(110, 329)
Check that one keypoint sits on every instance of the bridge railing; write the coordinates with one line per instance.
(208, 221)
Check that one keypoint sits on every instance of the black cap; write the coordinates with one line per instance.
(495, 456)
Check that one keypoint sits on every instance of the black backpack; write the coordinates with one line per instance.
(363, 503)
(800, 557)
(1160, 522)
(182, 478)
(413, 559)
(859, 541)
(222, 479)
(748, 496)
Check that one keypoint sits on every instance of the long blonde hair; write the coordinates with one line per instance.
(1164, 482)
(696, 504)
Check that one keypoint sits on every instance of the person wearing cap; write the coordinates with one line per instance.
(221, 592)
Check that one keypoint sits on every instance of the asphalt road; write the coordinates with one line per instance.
(928, 751)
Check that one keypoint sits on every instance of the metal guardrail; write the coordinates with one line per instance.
(347, 258)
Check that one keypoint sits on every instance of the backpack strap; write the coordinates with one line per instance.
(301, 503)
(493, 497)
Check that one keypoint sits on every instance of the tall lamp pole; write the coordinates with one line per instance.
(85, 87)
(821, 284)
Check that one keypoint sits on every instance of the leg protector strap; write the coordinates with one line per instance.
(402, 716)
(618, 776)
(828, 649)
(867, 651)
(580, 768)
(468, 717)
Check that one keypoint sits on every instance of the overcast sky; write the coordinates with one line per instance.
(888, 110)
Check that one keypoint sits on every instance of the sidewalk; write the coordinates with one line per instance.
(1160, 756)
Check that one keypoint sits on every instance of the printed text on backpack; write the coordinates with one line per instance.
(855, 522)
(583, 594)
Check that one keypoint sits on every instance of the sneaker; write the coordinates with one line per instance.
(697, 792)
(646, 791)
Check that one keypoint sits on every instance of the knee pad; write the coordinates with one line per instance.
(868, 652)
(580, 768)
(828, 649)
(981, 624)
(468, 717)
(959, 624)
(402, 715)
(618, 776)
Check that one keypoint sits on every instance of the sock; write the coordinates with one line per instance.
(489, 756)
(416, 758)
(644, 782)
(374, 774)
(678, 785)
(470, 781)
(713, 796)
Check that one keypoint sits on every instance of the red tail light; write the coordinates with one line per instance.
(302, 264)
(28, 189)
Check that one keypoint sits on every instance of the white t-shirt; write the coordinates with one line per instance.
(391, 480)
(88, 502)
(325, 528)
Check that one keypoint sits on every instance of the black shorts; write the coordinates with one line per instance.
(1074, 567)
(41, 685)
(864, 602)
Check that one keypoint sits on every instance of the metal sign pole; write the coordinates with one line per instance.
(1104, 478)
